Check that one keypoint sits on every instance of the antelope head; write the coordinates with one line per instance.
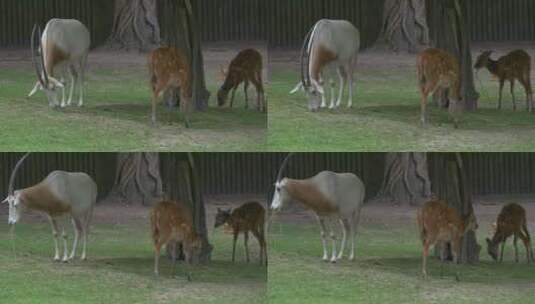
(45, 82)
(482, 60)
(281, 195)
(13, 197)
(222, 217)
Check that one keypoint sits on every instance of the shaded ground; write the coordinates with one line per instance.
(120, 264)
(387, 268)
(117, 109)
(385, 113)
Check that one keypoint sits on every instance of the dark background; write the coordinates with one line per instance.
(282, 23)
(254, 173)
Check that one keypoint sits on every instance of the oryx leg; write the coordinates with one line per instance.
(77, 226)
(345, 228)
(74, 77)
(323, 238)
(351, 82)
(323, 99)
(65, 249)
(353, 233)
(342, 75)
(81, 78)
(332, 83)
(333, 240)
(55, 235)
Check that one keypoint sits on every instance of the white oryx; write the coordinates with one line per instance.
(330, 44)
(334, 197)
(61, 194)
(63, 48)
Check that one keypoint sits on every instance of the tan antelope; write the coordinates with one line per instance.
(170, 69)
(333, 197)
(511, 221)
(439, 224)
(248, 217)
(514, 66)
(61, 194)
(244, 68)
(172, 223)
(438, 70)
(63, 46)
(329, 45)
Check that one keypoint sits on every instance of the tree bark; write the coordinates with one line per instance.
(450, 33)
(135, 25)
(137, 178)
(182, 183)
(406, 179)
(180, 29)
(405, 25)
(454, 188)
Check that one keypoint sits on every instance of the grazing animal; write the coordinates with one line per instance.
(332, 197)
(60, 194)
(439, 223)
(63, 46)
(330, 44)
(248, 217)
(170, 69)
(172, 223)
(511, 221)
(245, 67)
(438, 70)
(514, 66)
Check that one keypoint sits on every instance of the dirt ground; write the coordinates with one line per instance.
(216, 55)
(373, 58)
(120, 214)
(486, 209)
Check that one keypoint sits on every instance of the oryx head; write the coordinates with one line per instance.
(45, 82)
(13, 196)
(15, 208)
(280, 197)
(314, 92)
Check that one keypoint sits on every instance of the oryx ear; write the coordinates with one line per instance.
(297, 88)
(5, 200)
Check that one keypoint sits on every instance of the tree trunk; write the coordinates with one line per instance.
(137, 178)
(450, 33)
(135, 25)
(406, 179)
(405, 25)
(454, 188)
(180, 29)
(182, 183)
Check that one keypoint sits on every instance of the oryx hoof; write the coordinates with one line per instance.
(57, 259)
(325, 258)
(351, 258)
(333, 260)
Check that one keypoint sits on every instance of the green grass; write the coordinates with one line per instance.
(119, 269)
(387, 269)
(385, 117)
(116, 117)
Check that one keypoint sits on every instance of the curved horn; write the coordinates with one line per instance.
(42, 57)
(14, 173)
(32, 43)
(283, 166)
(305, 77)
